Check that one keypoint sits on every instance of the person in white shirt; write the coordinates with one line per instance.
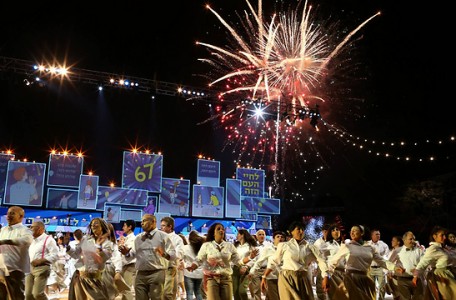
(407, 257)
(217, 256)
(295, 256)
(255, 274)
(245, 245)
(376, 272)
(43, 252)
(171, 282)
(128, 272)
(152, 249)
(95, 249)
(441, 280)
(15, 240)
(320, 244)
(269, 279)
(73, 263)
(193, 280)
(358, 257)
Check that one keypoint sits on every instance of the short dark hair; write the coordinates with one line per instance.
(131, 223)
(278, 232)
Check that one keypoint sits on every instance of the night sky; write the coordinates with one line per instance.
(403, 94)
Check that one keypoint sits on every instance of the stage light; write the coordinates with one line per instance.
(100, 88)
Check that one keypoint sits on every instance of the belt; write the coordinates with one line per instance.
(356, 272)
(339, 269)
(403, 277)
(91, 275)
(148, 272)
(375, 267)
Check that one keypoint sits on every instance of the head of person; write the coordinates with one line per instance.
(77, 234)
(375, 235)
(37, 228)
(438, 235)
(333, 233)
(408, 240)
(129, 226)
(278, 237)
(167, 224)
(148, 222)
(260, 236)
(97, 227)
(296, 229)
(15, 215)
(325, 231)
(112, 233)
(20, 174)
(195, 241)
(216, 232)
(357, 233)
(243, 236)
(451, 238)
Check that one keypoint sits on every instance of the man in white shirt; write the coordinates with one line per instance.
(43, 252)
(128, 271)
(15, 240)
(258, 271)
(171, 286)
(407, 258)
(320, 244)
(376, 272)
(152, 249)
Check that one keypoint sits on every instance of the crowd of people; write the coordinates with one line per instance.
(159, 263)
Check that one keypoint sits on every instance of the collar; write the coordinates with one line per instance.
(41, 237)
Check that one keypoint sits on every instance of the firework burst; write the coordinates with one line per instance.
(274, 77)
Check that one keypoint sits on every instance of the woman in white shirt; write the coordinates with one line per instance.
(216, 256)
(295, 256)
(193, 280)
(441, 281)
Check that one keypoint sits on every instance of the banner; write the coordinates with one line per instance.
(142, 171)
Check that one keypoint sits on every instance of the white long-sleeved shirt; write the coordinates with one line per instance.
(296, 256)
(144, 250)
(129, 240)
(16, 256)
(45, 247)
(189, 257)
(358, 257)
(217, 259)
(407, 258)
(434, 256)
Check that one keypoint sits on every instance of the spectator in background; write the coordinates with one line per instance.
(15, 240)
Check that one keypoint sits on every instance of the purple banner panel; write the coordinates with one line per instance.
(122, 196)
(263, 222)
(208, 201)
(142, 171)
(112, 213)
(62, 198)
(252, 181)
(269, 206)
(152, 202)
(24, 183)
(208, 172)
(233, 198)
(174, 198)
(4, 159)
(65, 170)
